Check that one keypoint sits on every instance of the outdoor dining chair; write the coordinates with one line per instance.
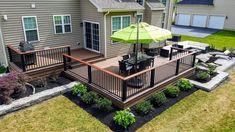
(124, 67)
(125, 57)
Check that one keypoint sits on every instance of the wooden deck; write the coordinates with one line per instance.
(106, 80)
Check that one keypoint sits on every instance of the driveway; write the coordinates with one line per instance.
(192, 31)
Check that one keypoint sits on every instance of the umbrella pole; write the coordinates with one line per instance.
(136, 47)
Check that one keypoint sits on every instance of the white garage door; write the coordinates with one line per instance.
(199, 20)
(183, 19)
(216, 22)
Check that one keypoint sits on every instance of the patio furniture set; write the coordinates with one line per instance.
(127, 64)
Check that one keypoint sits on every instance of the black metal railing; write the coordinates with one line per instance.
(36, 59)
(126, 87)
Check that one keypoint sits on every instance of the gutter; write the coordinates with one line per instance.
(3, 46)
(105, 34)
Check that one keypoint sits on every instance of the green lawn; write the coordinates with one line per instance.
(220, 39)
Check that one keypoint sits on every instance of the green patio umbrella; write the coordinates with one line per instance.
(141, 33)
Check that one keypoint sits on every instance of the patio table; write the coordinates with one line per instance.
(143, 57)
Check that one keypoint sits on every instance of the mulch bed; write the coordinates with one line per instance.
(50, 84)
(107, 117)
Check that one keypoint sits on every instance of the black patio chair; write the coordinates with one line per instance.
(132, 55)
(125, 57)
(124, 67)
(142, 65)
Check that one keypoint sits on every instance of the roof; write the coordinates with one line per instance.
(155, 5)
(116, 5)
(197, 2)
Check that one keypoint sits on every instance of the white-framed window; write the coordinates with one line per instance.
(139, 16)
(30, 26)
(164, 2)
(141, 2)
(62, 24)
(163, 19)
(120, 22)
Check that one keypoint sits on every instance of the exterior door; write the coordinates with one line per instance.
(184, 19)
(216, 22)
(199, 20)
(92, 36)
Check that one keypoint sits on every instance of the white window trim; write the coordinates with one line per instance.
(25, 38)
(142, 14)
(121, 24)
(143, 2)
(62, 24)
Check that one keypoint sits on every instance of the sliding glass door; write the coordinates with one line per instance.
(92, 36)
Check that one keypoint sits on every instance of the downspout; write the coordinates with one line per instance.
(105, 34)
(3, 46)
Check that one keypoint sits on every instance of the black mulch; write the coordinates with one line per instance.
(50, 84)
(107, 117)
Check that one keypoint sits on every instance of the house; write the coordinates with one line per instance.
(80, 23)
(215, 14)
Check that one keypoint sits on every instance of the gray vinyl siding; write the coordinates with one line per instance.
(156, 18)
(117, 48)
(89, 13)
(45, 9)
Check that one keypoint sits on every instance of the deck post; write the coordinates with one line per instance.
(10, 54)
(152, 78)
(124, 90)
(194, 59)
(171, 52)
(65, 63)
(177, 67)
(69, 53)
(89, 74)
(23, 62)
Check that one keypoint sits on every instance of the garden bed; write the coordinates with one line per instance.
(50, 84)
(107, 117)
(194, 77)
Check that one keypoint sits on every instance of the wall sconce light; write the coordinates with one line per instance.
(5, 18)
(33, 5)
(81, 24)
(226, 17)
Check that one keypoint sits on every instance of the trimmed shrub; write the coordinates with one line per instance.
(124, 118)
(143, 107)
(79, 89)
(172, 91)
(104, 104)
(158, 99)
(3, 69)
(202, 75)
(184, 84)
(89, 98)
(211, 69)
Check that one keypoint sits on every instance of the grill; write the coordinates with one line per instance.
(29, 59)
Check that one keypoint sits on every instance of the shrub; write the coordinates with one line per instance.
(79, 89)
(212, 47)
(143, 107)
(12, 83)
(172, 91)
(104, 104)
(211, 69)
(124, 118)
(89, 98)
(158, 99)
(224, 49)
(184, 84)
(202, 75)
(3, 69)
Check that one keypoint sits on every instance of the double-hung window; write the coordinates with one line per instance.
(120, 22)
(30, 27)
(62, 24)
(139, 16)
(141, 2)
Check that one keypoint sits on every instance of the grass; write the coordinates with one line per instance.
(57, 114)
(220, 39)
(202, 111)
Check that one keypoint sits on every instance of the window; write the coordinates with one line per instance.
(163, 19)
(139, 16)
(30, 27)
(120, 22)
(141, 2)
(62, 24)
(164, 2)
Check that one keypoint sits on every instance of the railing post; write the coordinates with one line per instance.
(69, 53)
(171, 52)
(65, 63)
(194, 59)
(124, 90)
(23, 62)
(89, 74)
(177, 67)
(10, 54)
(152, 78)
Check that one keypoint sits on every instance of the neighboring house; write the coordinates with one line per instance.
(215, 14)
(80, 23)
